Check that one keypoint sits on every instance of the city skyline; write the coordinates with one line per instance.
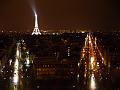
(75, 44)
(89, 15)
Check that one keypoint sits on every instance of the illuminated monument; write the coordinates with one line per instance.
(36, 30)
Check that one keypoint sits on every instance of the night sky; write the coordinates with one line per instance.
(60, 14)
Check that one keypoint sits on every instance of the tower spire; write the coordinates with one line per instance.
(36, 22)
(36, 30)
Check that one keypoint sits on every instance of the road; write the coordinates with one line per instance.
(16, 75)
(95, 70)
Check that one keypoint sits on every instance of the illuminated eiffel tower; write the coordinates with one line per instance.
(36, 30)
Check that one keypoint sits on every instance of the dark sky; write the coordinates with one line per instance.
(60, 14)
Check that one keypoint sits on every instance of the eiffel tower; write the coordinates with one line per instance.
(36, 30)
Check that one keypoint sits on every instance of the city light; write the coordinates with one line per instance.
(83, 31)
(62, 58)
(16, 65)
(10, 61)
(92, 62)
(15, 76)
(15, 88)
(27, 62)
(78, 64)
(92, 83)
(60, 45)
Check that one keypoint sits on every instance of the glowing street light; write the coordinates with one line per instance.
(92, 62)
(15, 77)
(92, 83)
